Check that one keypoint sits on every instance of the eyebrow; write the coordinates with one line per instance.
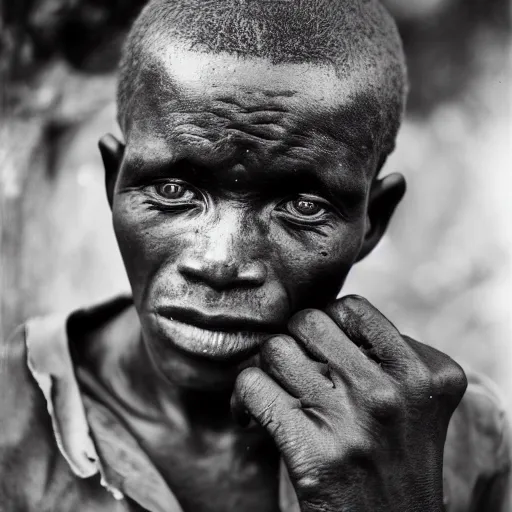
(346, 187)
(284, 180)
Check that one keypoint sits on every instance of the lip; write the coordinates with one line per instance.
(218, 337)
(217, 321)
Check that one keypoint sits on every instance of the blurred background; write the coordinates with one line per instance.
(442, 273)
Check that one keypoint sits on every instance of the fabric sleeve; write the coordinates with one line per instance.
(16, 390)
(20, 430)
(496, 483)
(498, 495)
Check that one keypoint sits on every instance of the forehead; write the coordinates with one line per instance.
(194, 102)
(200, 73)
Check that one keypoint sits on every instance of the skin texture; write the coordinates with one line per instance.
(243, 196)
(240, 249)
(364, 429)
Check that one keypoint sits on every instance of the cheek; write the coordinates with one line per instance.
(314, 266)
(147, 241)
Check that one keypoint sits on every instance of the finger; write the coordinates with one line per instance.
(444, 377)
(262, 398)
(320, 335)
(289, 365)
(367, 327)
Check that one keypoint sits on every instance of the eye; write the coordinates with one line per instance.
(175, 191)
(306, 208)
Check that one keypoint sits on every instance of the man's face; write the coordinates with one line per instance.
(241, 198)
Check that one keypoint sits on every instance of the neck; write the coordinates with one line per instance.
(125, 367)
(188, 433)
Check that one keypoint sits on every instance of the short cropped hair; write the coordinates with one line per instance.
(355, 36)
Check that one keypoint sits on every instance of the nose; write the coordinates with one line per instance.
(226, 256)
(221, 275)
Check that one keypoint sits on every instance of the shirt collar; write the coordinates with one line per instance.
(88, 435)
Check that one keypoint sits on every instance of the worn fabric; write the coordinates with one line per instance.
(62, 450)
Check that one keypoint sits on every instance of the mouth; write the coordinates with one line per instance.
(217, 337)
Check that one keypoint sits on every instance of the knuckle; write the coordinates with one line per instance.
(357, 453)
(359, 449)
(445, 380)
(460, 379)
(266, 416)
(413, 344)
(310, 478)
(451, 381)
(422, 378)
(320, 464)
(387, 402)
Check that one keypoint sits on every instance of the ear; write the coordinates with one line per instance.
(385, 195)
(112, 154)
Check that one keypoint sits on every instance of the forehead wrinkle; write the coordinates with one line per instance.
(192, 84)
(221, 130)
(196, 75)
(207, 145)
(218, 122)
(247, 100)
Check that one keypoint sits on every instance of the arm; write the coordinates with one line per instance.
(497, 496)
(497, 493)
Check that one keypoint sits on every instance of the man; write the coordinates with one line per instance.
(246, 189)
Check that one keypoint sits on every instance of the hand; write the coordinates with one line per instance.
(358, 411)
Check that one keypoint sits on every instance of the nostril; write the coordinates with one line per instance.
(254, 273)
(222, 275)
(215, 274)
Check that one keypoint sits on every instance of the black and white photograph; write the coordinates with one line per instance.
(255, 256)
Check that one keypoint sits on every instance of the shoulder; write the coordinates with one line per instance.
(478, 447)
(20, 400)
(25, 430)
(484, 413)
